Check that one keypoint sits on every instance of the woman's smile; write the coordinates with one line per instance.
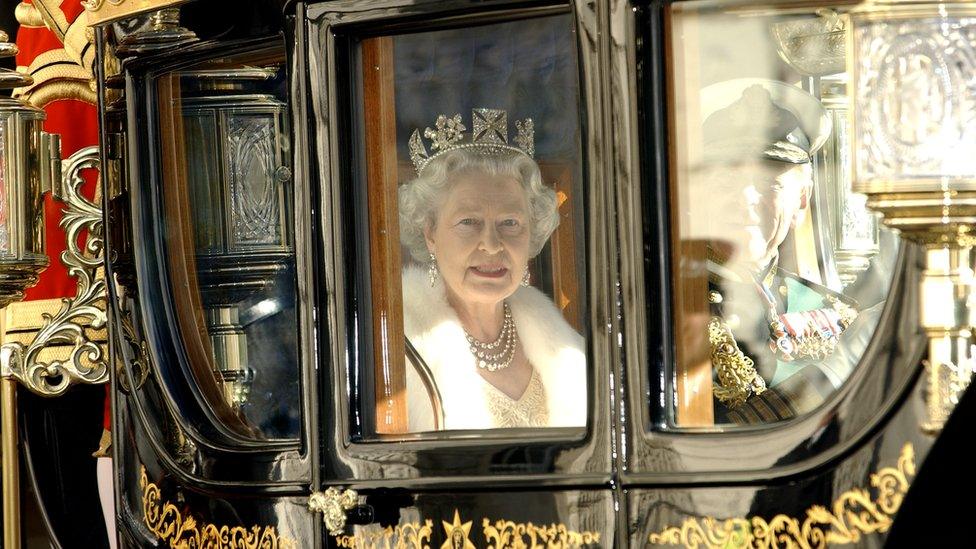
(489, 271)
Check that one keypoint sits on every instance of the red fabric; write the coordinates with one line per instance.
(77, 123)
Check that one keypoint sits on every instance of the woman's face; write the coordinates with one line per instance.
(481, 238)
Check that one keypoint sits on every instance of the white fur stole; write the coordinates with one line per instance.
(553, 348)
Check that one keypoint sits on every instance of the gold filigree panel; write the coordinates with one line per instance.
(140, 363)
(497, 534)
(410, 535)
(79, 318)
(853, 515)
(183, 531)
(505, 533)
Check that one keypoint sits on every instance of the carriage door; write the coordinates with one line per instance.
(456, 167)
(211, 405)
(770, 327)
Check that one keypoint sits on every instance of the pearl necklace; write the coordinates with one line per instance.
(488, 355)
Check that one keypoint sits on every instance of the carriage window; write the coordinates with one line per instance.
(780, 272)
(225, 169)
(470, 191)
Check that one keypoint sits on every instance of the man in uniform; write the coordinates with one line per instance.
(779, 344)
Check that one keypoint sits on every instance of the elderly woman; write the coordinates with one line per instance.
(500, 352)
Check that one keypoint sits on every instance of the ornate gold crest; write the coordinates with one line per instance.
(458, 534)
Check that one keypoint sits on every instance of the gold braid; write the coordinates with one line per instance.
(737, 375)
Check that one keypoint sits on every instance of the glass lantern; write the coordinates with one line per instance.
(914, 156)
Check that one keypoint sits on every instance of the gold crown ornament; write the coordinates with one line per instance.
(489, 135)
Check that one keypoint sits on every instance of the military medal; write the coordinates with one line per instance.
(809, 334)
(805, 334)
(812, 334)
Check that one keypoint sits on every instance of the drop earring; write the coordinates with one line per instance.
(526, 278)
(432, 270)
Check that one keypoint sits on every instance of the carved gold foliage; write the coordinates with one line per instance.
(852, 515)
(184, 532)
(140, 364)
(86, 362)
(409, 535)
(505, 534)
(500, 534)
(707, 533)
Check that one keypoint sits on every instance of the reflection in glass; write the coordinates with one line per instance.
(915, 158)
(854, 229)
(230, 242)
(473, 184)
(782, 272)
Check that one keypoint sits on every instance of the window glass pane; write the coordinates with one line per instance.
(472, 192)
(781, 272)
(228, 219)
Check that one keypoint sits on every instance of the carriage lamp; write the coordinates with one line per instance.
(161, 31)
(238, 177)
(914, 157)
(29, 163)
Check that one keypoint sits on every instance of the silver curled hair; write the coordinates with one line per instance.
(421, 198)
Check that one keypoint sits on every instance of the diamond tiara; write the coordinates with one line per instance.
(489, 134)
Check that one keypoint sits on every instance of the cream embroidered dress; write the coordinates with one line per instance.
(529, 410)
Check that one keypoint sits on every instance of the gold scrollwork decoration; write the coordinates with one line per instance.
(140, 365)
(86, 362)
(505, 534)
(853, 515)
(409, 535)
(500, 534)
(170, 526)
(738, 378)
